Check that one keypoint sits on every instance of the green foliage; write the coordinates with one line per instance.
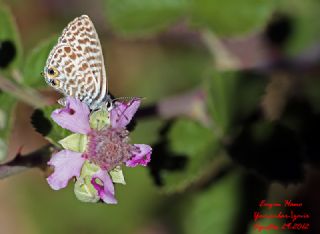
(304, 14)
(117, 176)
(83, 187)
(43, 123)
(249, 93)
(139, 18)
(75, 142)
(99, 119)
(198, 144)
(182, 67)
(84, 190)
(144, 17)
(221, 99)
(146, 131)
(216, 209)
(189, 137)
(229, 18)
(8, 31)
(35, 62)
(8, 104)
(233, 96)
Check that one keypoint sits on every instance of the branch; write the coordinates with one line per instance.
(191, 104)
(24, 94)
(21, 163)
(306, 62)
(223, 57)
(213, 172)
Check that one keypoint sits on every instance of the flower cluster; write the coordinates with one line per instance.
(94, 154)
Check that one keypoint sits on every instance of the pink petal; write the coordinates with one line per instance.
(140, 157)
(105, 191)
(67, 164)
(122, 114)
(74, 116)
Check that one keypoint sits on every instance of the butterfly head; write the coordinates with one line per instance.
(109, 104)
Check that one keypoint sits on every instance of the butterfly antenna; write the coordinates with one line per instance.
(125, 98)
(112, 103)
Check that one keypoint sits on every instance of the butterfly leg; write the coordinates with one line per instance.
(62, 101)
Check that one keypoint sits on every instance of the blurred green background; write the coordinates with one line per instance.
(252, 134)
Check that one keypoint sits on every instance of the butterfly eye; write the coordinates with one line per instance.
(52, 72)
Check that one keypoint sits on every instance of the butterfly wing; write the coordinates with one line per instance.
(82, 39)
(74, 78)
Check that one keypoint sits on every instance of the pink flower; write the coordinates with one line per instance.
(98, 148)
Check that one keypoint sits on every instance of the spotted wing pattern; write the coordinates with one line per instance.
(78, 59)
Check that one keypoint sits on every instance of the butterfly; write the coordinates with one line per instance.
(75, 66)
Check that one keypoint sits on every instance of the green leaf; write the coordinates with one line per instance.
(117, 175)
(8, 104)
(229, 17)
(75, 142)
(146, 131)
(89, 169)
(144, 17)
(189, 137)
(305, 15)
(35, 63)
(183, 68)
(221, 99)
(198, 144)
(99, 119)
(42, 122)
(83, 188)
(8, 31)
(217, 208)
(249, 92)
(233, 96)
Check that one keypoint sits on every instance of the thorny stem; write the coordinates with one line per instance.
(213, 171)
(21, 163)
(17, 76)
(24, 94)
(189, 104)
(223, 57)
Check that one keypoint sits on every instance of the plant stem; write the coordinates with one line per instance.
(20, 163)
(191, 104)
(223, 57)
(24, 94)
